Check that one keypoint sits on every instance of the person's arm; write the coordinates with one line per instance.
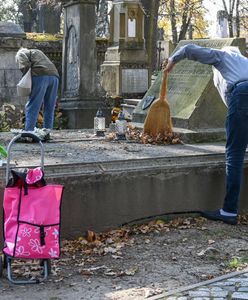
(23, 62)
(194, 52)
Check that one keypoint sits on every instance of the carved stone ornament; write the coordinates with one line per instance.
(72, 59)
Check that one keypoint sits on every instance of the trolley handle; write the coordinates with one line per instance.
(24, 134)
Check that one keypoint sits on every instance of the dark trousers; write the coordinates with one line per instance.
(237, 140)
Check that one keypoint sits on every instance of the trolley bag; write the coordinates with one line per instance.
(31, 215)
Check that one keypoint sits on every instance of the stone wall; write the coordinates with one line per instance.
(10, 74)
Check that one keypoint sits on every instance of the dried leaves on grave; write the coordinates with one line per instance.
(160, 139)
(137, 135)
(112, 242)
(10, 117)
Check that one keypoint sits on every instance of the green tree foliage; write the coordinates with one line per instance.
(8, 11)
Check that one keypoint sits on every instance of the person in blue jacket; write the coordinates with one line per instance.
(230, 69)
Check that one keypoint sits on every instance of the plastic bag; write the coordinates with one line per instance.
(24, 86)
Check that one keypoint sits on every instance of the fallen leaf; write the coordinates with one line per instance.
(211, 242)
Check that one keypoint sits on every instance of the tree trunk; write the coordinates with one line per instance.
(186, 18)
(237, 18)
(151, 9)
(229, 15)
(173, 21)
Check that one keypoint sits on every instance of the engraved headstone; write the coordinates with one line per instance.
(194, 101)
(134, 81)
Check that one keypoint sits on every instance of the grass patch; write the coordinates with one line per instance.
(44, 37)
(237, 263)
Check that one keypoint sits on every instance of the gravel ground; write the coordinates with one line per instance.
(138, 261)
(135, 262)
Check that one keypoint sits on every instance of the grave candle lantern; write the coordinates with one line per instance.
(99, 123)
(121, 127)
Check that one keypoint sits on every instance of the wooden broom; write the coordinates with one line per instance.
(158, 118)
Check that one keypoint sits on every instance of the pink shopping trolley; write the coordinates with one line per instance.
(31, 215)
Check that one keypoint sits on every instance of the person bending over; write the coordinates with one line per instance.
(230, 70)
(45, 81)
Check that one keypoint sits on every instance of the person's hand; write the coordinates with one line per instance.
(169, 66)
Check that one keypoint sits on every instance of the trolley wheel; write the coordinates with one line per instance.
(1, 266)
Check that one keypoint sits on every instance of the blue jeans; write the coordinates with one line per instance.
(237, 140)
(44, 91)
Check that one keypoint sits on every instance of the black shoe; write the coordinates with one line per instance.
(216, 216)
(46, 138)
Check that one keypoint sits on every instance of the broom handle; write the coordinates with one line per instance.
(163, 86)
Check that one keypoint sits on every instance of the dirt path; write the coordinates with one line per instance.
(136, 262)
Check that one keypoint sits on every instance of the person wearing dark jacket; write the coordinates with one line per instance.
(45, 81)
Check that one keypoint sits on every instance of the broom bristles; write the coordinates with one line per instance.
(158, 119)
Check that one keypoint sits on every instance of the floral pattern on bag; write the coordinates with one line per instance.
(28, 244)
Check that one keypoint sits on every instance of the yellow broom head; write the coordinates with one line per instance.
(158, 119)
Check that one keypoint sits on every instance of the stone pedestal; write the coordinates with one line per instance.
(80, 96)
(125, 70)
(194, 101)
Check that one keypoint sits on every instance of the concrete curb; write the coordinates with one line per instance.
(197, 285)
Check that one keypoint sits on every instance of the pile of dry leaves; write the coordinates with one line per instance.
(137, 135)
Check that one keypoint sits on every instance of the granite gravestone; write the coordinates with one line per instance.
(194, 101)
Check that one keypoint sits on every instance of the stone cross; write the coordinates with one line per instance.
(159, 49)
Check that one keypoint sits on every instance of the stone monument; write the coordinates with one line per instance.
(125, 70)
(80, 94)
(11, 39)
(194, 101)
(222, 24)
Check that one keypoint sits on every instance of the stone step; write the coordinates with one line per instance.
(132, 101)
(128, 110)
(128, 107)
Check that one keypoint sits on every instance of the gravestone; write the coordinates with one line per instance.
(48, 18)
(125, 70)
(194, 101)
(81, 96)
(222, 24)
(11, 39)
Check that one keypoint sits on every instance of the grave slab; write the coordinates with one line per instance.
(108, 184)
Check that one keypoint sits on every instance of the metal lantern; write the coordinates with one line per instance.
(121, 127)
(99, 123)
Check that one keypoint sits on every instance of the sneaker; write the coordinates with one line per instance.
(43, 134)
(216, 216)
